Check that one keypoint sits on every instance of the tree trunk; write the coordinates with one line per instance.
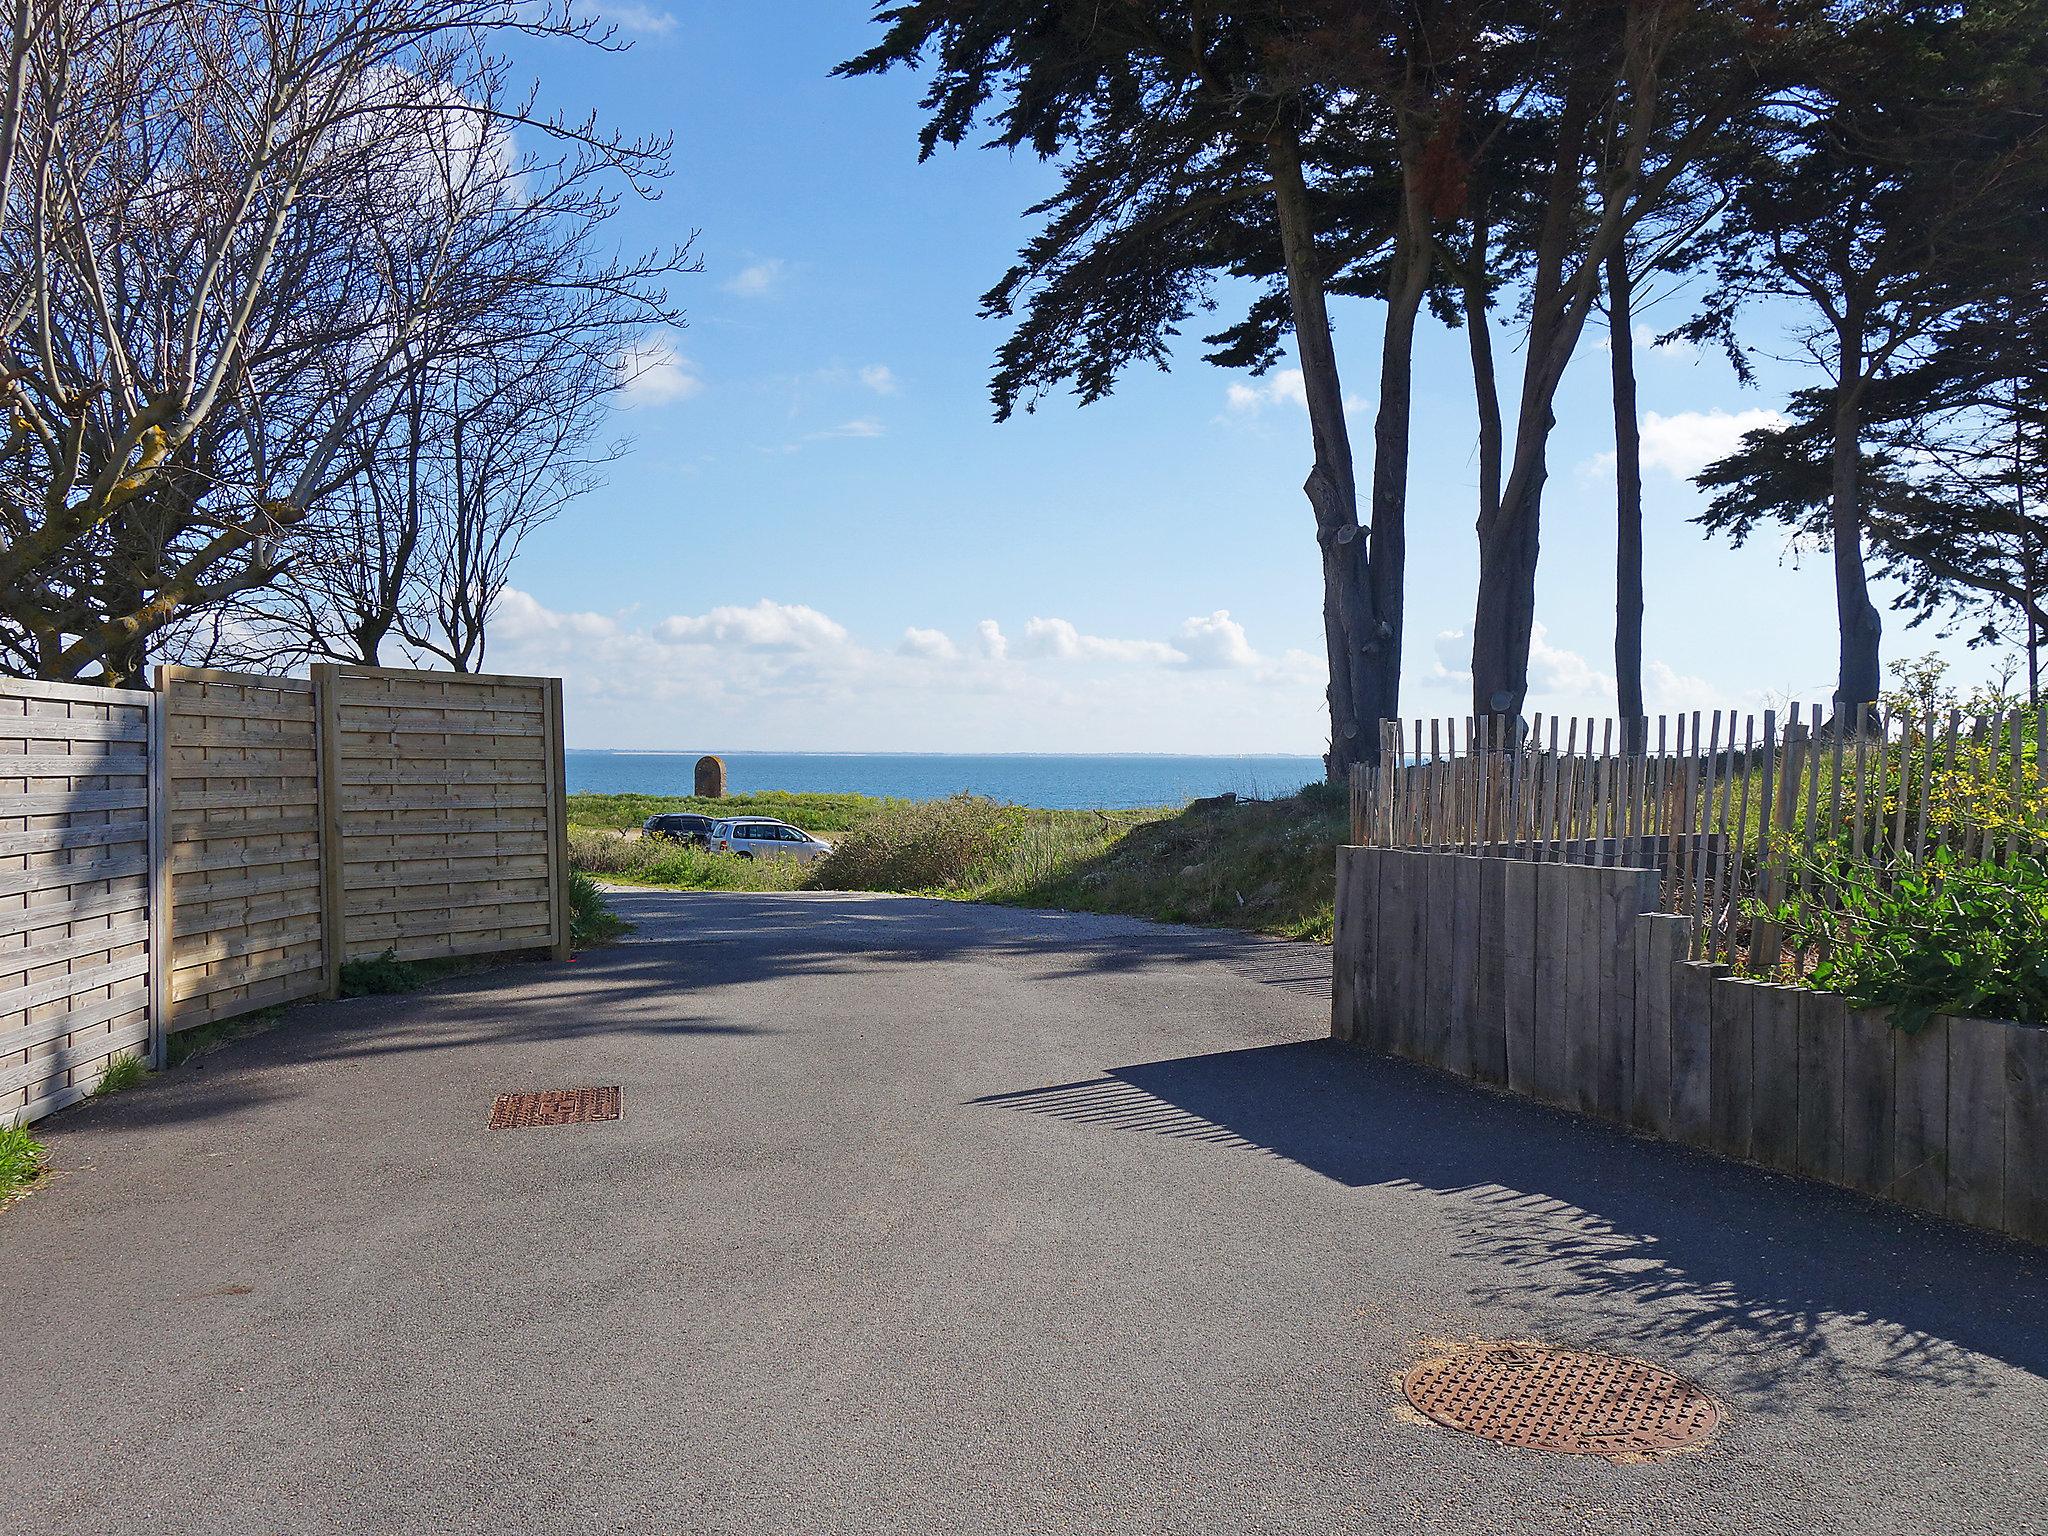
(1353, 634)
(1408, 281)
(1628, 495)
(1858, 677)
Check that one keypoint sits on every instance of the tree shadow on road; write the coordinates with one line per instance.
(1599, 1237)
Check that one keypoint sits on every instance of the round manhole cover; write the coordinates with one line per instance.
(1568, 1400)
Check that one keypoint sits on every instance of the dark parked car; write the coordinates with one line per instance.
(679, 828)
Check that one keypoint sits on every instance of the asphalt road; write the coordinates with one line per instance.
(937, 1218)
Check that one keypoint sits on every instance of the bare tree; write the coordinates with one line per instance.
(233, 236)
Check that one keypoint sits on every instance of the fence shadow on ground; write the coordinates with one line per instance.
(1674, 1254)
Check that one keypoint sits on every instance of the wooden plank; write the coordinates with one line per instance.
(1461, 1015)
(126, 1002)
(1584, 956)
(162, 898)
(1822, 1019)
(73, 946)
(2026, 1133)
(1732, 1086)
(1410, 1021)
(558, 817)
(16, 921)
(1869, 1103)
(72, 693)
(1661, 942)
(50, 877)
(1400, 897)
(89, 1053)
(1345, 957)
(72, 802)
(1626, 896)
(64, 839)
(128, 728)
(73, 765)
(77, 983)
(1920, 1130)
(1519, 937)
(1488, 1030)
(333, 899)
(1439, 961)
(1551, 1043)
(1976, 1120)
(1774, 1077)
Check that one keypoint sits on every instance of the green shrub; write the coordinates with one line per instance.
(929, 845)
(21, 1159)
(123, 1072)
(381, 975)
(1953, 935)
(684, 866)
(824, 814)
(591, 918)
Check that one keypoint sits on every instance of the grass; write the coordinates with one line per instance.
(591, 919)
(21, 1160)
(382, 975)
(683, 866)
(1266, 866)
(123, 1072)
(824, 814)
(189, 1044)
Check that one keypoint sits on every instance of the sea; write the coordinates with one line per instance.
(1111, 781)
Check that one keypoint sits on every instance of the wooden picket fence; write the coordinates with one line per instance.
(1731, 809)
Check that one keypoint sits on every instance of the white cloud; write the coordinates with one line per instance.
(652, 372)
(1216, 641)
(520, 618)
(779, 677)
(879, 378)
(860, 426)
(1683, 444)
(757, 280)
(931, 644)
(767, 626)
(638, 18)
(1059, 639)
(1284, 387)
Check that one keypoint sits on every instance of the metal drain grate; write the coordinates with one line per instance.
(1572, 1401)
(566, 1106)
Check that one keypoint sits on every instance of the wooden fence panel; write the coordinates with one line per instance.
(242, 792)
(77, 846)
(445, 804)
(1560, 980)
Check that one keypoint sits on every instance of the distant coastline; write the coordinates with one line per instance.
(1056, 781)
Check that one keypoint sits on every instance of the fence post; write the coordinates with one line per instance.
(161, 890)
(558, 820)
(333, 890)
(1773, 838)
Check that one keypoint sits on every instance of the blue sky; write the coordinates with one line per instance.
(821, 541)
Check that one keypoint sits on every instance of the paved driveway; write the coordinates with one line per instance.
(936, 1218)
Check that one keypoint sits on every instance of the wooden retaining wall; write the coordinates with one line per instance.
(76, 843)
(1562, 983)
(228, 840)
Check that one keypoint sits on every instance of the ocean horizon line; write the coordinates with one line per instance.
(1307, 757)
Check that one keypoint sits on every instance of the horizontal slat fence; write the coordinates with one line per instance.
(448, 812)
(76, 841)
(243, 784)
(1731, 809)
(1556, 981)
(228, 840)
